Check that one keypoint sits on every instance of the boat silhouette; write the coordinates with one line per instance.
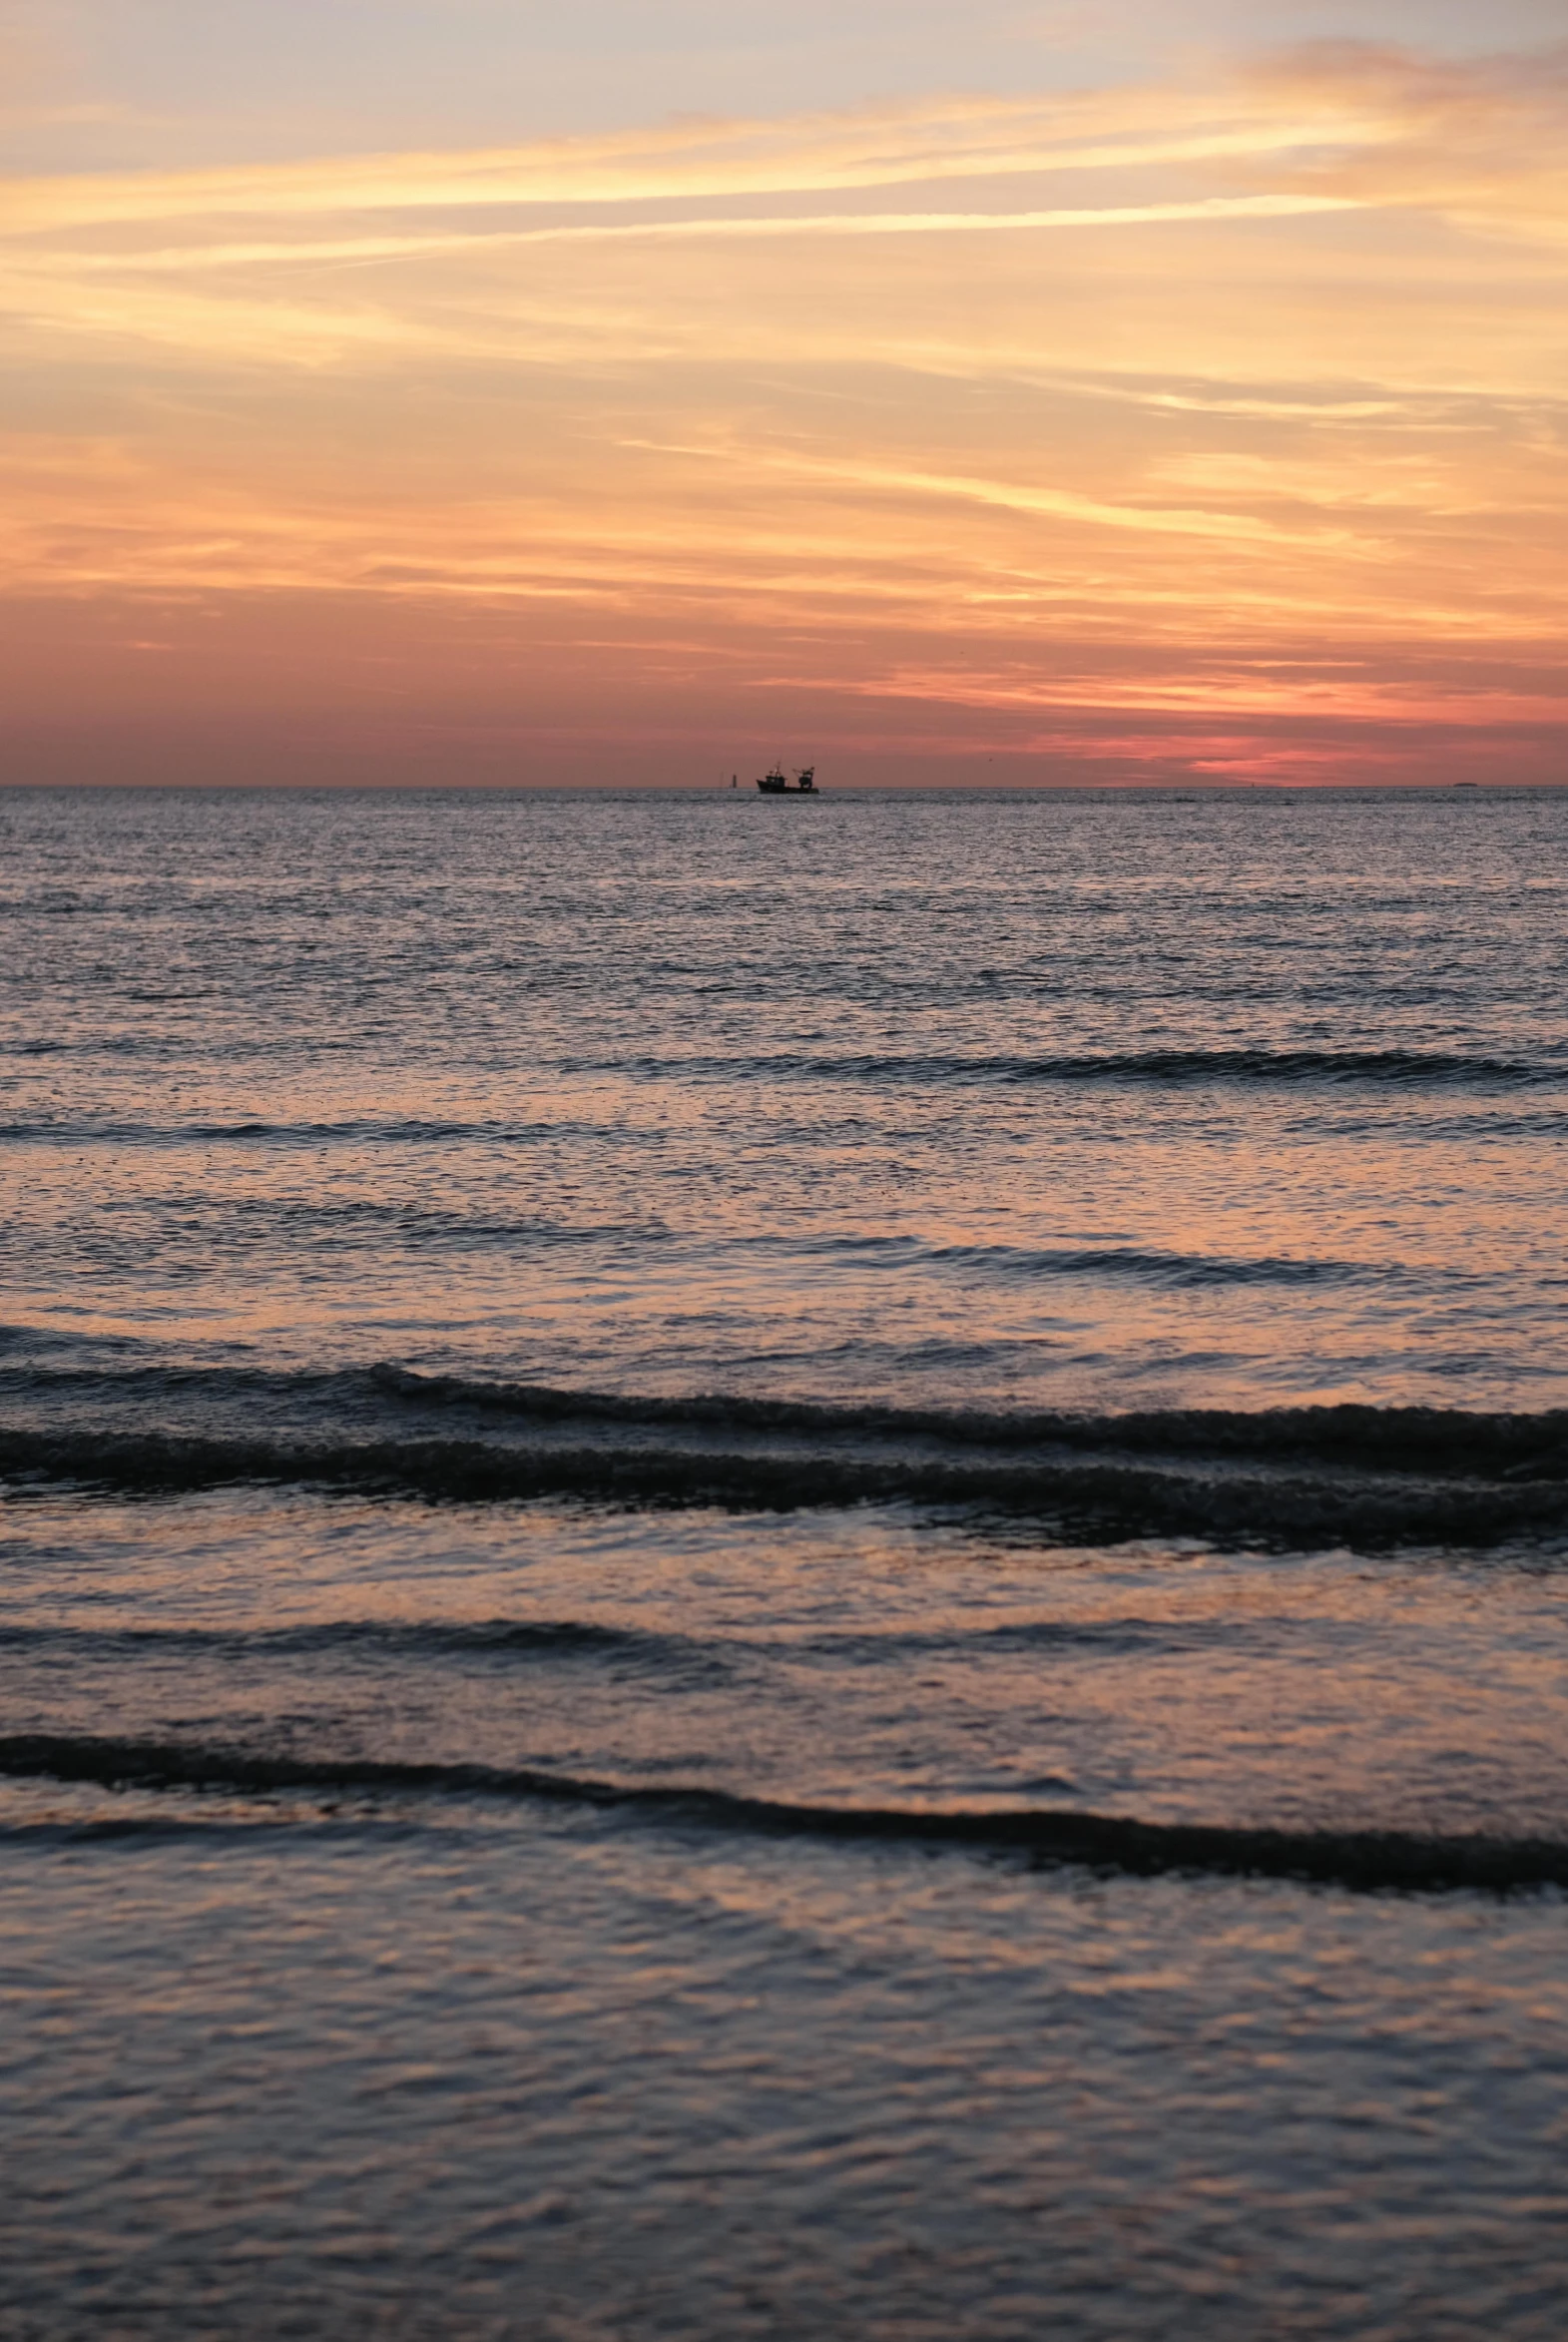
(775, 784)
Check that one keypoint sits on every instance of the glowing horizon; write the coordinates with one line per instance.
(1205, 424)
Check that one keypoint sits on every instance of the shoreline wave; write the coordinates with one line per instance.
(1393, 1438)
(1362, 1861)
(124, 1375)
(1114, 1495)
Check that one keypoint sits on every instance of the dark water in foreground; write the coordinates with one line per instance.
(784, 1570)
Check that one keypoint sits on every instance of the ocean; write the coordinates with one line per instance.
(784, 1567)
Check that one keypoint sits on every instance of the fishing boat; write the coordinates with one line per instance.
(776, 783)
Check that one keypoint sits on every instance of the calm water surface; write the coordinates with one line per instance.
(784, 1569)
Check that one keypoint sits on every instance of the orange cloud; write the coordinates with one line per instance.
(1239, 407)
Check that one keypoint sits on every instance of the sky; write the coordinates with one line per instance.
(474, 391)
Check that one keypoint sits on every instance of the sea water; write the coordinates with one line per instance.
(783, 1568)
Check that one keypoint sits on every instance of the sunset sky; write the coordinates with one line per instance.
(480, 392)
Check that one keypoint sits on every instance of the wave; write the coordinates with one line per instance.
(627, 1648)
(1361, 1860)
(1432, 1073)
(1402, 1068)
(1357, 1431)
(1353, 1473)
(550, 1639)
(396, 1131)
(358, 1221)
(1176, 1271)
(117, 1371)
(1420, 1069)
(68, 1833)
(1113, 1497)
(1143, 1265)
(1449, 1439)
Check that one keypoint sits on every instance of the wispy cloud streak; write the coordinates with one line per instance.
(1245, 401)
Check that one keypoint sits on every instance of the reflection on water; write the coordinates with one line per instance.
(348, 2081)
(1072, 1098)
(836, 1659)
(694, 1637)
